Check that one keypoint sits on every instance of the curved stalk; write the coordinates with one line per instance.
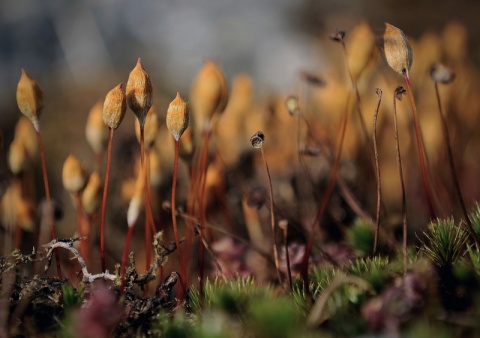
(49, 201)
(104, 199)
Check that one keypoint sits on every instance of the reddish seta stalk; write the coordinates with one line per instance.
(420, 146)
(324, 202)
(104, 200)
(49, 201)
(174, 221)
(377, 171)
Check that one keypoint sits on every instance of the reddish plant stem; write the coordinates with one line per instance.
(453, 171)
(272, 216)
(420, 147)
(104, 200)
(201, 193)
(153, 226)
(49, 200)
(174, 222)
(124, 257)
(377, 171)
(326, 198)
(402, 183)
(148, 233)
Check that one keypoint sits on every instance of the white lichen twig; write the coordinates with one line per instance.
(68, 245)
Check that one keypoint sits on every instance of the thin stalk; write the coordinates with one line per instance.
(420, 147)
(402, 183)
(219, 229)
(49, 201)
(203, 216)
(272, 216)
(359, 111)
(174, 221)
(148, 232)
(377, 171)
(104, 200)
(326, 198)
(153, 227)
(209, 250)
(124, 257)
(453, 171)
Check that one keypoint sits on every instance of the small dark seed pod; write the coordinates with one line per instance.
(257, 139)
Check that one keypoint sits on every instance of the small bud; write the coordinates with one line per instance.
(378, 91)
(257, 139)
(92, 194)
(441, 74)
(139, 92)
(25, 215)
(292, 105)
(134, 210)
(95, 131)
(178, 117)
(399, 92)
(283, 224)
(30, 99)
(150, 128)
(25, 132)
(337, 36)
(209, 93)
(74, 175)
(114, 107)
(136, 202)
(18, 160)
(397, 49)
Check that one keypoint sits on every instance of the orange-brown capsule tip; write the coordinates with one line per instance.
(178, 117)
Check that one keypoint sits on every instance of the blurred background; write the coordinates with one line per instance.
(78, 50)
(95, 43)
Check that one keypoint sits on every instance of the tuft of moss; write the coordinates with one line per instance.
(445, 242)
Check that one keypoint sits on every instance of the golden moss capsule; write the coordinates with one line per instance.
(397, 49)
(18, 159)
(92, 194)
(114, 107)
(74, 175)
(209, 93)
(30, 99)
(139, 92)
(178, 117)
(95, 131)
